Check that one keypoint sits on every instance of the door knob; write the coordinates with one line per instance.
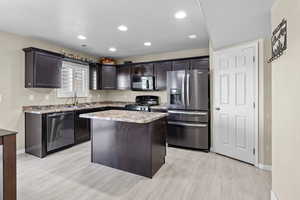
(218, 109)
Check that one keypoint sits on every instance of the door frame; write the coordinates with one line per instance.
(254, 44)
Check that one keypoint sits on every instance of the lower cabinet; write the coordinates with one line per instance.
(83, 126)
(47, 133)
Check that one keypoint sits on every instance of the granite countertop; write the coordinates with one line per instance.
(64, 107)
(6, 132)
(126, 116)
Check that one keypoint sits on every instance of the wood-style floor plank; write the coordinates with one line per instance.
(187, 175)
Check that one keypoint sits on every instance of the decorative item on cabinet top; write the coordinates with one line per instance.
(279, 40)
(107, 61)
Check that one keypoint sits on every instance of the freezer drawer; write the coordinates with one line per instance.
(188, 116)
(188, 135)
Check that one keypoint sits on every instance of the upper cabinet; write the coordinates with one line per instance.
(160, 72)
(124, 77)
(103, 77)
(143, 69)
(42, 68)
(109, 77)
(181, 65)
(200, 63)
(95, 76)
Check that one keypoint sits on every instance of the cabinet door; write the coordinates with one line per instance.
(161, 70)
(109, 77)
(95, 79)
(143, 69)
(124, 77)
(181, 65)
(47, 71)
(148, 69)
(82, 128)
(200, 63)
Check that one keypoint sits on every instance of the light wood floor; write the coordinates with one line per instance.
(187, 175)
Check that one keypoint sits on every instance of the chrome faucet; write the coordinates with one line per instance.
(75, 99)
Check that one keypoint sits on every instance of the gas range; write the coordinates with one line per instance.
(143, 103)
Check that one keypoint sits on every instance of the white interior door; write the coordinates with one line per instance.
(235, 91)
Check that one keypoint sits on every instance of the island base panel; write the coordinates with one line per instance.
(132, 147)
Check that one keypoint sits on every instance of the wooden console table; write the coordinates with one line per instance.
(8, 173)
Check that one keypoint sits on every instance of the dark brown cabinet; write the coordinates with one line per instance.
(124, 77)
(42, 68)
(82, 127)
(95, 77)
(143, 69)
(201, 63)
(160, 73)
(103, 77)
(181, 65)
(109, 77)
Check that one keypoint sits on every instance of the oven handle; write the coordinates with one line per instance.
(187, 113)
(188, 124)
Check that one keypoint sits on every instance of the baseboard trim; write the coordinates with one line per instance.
(265, 167)
(20, 151)
(273, 196)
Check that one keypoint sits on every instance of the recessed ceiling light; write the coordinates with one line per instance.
(180, 14)
(193, 36)
(81, 37)
(112, 49)
(123, 28)
(148, 44)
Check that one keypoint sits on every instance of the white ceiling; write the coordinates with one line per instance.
(234, 21)
(60, 21)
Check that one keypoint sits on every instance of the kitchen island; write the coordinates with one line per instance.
(129, 140)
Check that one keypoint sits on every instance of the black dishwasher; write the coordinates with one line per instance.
(60, 130)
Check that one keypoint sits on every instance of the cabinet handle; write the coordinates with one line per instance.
(187, 113)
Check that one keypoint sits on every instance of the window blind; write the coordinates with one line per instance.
(74, 80)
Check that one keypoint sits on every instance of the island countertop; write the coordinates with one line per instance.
(126, 116)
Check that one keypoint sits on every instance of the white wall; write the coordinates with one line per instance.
(286, 109)
(12, 91)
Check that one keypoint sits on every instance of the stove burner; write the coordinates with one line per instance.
(143, 103)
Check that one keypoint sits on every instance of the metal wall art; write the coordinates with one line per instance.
(279, 40)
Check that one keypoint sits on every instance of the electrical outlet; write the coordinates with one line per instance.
(47, 97)
(0, 98)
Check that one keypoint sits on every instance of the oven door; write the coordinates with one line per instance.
(189, 135)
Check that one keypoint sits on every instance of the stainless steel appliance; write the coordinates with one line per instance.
(142, 83)
(60, 130)
(143, 103)
(188, 108)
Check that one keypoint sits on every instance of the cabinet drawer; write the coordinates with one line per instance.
(176, 115)
(188, 135)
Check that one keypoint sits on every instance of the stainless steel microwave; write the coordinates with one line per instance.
(143, 83)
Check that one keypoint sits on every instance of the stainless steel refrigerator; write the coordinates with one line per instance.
(188, 107)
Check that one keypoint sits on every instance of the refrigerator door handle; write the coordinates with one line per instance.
(183, 91)
(187, 112)
(188, 89)
(188, 124)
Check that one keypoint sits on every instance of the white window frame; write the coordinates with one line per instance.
(74, 90)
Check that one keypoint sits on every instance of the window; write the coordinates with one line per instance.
(74, 80)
